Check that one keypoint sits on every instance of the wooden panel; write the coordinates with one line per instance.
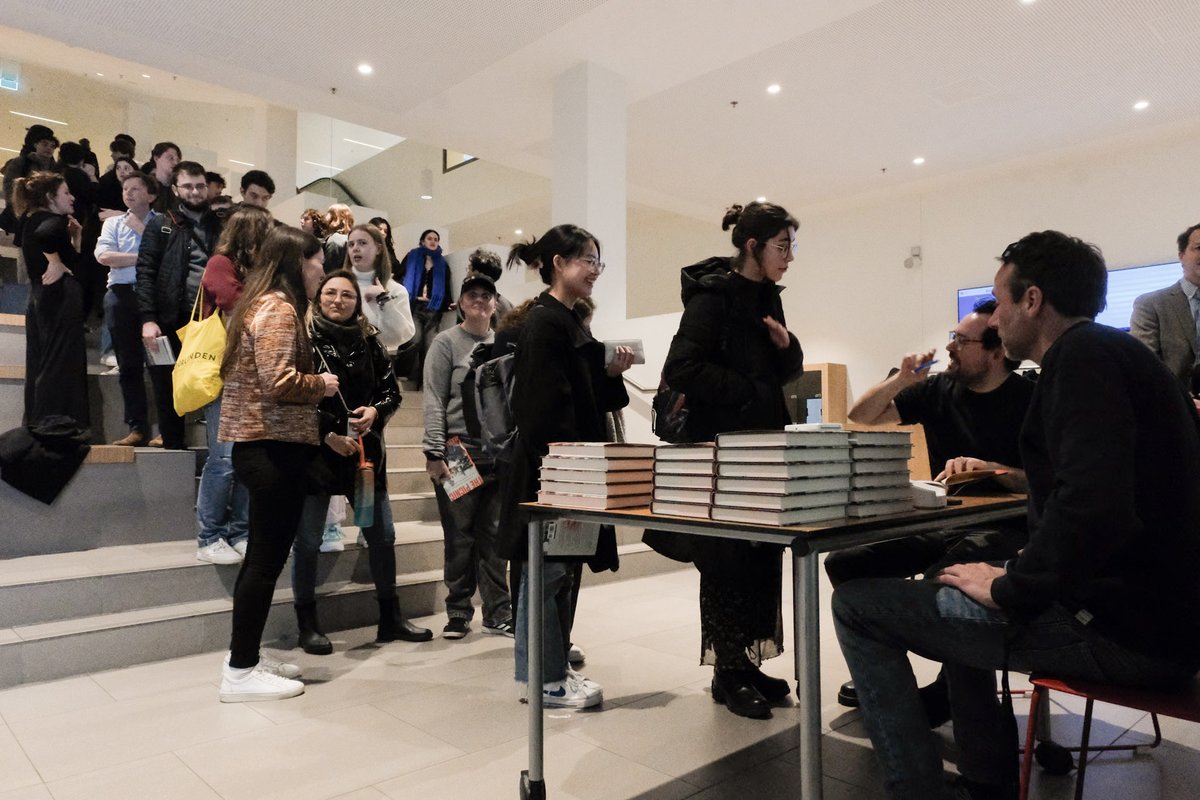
(11, 372)
(13, 320)
(110, 454)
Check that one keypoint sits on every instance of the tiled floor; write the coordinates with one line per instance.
(440, 720)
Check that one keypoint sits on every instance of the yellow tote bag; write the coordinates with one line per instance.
(196, 379)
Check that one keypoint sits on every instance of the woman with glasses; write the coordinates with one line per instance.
(346, 344)
(563, 391)
(731, 357)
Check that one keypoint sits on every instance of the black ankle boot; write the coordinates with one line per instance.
(736, 691)
(394, 627)
(773, 689)
(312, 641)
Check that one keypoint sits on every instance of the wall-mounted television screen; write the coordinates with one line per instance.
(1124, 286)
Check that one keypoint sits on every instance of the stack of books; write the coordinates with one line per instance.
(685, 476)
(597, 475)
(880, 483)
(785, 477)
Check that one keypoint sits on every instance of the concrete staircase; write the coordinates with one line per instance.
(107, 576)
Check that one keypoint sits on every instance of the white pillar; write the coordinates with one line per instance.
(588, 185)
(275, 149)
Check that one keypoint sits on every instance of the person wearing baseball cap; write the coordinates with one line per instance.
(469, 523)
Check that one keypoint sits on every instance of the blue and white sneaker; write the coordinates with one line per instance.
(331, 539)
(574, 691)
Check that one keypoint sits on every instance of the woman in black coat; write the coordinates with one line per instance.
(563, 390)
(731, 357)
(344, 343)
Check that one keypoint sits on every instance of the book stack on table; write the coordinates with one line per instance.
(597, 475)
(685, 476)
(880, 483)
(782, 477)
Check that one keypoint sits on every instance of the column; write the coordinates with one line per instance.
(588, 182)
(275, 149)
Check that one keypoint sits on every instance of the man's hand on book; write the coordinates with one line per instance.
(437, 470)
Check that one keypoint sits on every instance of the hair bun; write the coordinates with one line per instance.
(732, 215)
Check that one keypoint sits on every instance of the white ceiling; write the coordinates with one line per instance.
(867, 84)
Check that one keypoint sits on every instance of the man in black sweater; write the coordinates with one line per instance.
(1106, 589)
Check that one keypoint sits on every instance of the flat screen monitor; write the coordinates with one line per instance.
(1124, 286)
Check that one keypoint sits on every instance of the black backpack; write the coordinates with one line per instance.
(487, 392)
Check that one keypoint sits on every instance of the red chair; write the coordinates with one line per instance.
(1183, 704)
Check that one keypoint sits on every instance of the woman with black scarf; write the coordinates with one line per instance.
(344, 343)
(427, 279)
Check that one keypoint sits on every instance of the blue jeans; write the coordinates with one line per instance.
(469, 526)
(879, 621)
(556, 628)
(381, 549)
(222, 503)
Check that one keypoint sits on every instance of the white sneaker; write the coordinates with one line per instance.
(240, 547)
(331, 539)
(219, 552)
(109, 360)
(256, 683)
(576, 655)
(583, 679)
(280, 668)
(574, 691)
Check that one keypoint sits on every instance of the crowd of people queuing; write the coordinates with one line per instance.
(323, 317)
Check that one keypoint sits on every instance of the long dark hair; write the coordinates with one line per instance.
(388, 241)
(567, 241)
(279, 268)
(757, 221)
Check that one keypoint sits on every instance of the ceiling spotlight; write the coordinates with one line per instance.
(365, 69)
(1141, 105)
(760, 199)
(426, 184)
(1028, 2)
(774, 88)
(99, 74)
(144, 75)
(919, 160)
(517, 232)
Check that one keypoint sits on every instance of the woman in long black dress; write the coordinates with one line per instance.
(731, 357)
(55, 355)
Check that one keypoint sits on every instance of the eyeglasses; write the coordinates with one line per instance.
(192, 187)
(593, 264)
(961, 340)
(790, 247)
(333, 294)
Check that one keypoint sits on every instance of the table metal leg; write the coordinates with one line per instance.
(807, 637)
(533, 785)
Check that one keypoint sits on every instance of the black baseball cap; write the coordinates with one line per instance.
(474, 279)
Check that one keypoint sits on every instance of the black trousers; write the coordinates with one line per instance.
(55, 354)
(170, 424)
(126, 332)
(273, 473)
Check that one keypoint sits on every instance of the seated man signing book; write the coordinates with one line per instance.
(1106, 587)
(972, 413)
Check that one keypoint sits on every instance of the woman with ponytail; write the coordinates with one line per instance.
(563, 391)
(55, 354)
(427, 279)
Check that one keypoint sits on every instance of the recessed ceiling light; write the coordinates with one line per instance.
(919, 160)
(34, 116)
(517, 232)
(243, 163)
(760, 199)
(99, 74)
(426, 197)
(365, 69)
(774, 88)
(1028, 2)
(1141, 105)
(144, 75)
(364, 144)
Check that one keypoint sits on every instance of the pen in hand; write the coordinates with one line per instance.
(925, 366)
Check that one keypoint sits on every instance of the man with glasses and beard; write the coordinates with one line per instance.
(972, 414)
(170, 263)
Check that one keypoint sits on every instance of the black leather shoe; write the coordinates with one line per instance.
(848, 695)
(736, 691)
(936, 699)
(393, 627)
(773, 689)
(311, 639)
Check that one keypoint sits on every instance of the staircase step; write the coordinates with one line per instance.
(409, 415)
(407, 480)
(414, 506)
(409, 456)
